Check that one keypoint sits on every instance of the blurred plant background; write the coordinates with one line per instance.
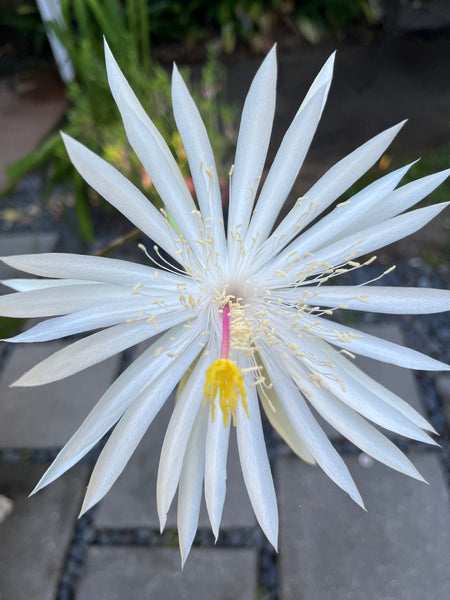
(92, 116)
(141, 34)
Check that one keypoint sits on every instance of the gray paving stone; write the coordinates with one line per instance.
(330, 549)
(398, 380)
(138, 573)
(35, 536)
(132, 500)
(46, 416)
(443, 389)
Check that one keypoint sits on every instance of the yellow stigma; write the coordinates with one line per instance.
(223, 379)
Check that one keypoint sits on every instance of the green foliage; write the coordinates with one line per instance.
(23, 43)
(10, 327)
(315, 18)
(93, 117)
(252, 21)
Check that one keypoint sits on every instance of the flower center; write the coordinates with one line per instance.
(223, 378)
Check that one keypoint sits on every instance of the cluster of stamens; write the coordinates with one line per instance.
(248, 326)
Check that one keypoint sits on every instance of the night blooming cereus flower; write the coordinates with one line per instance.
(242, 315)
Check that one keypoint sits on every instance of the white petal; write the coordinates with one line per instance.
(200, 157)
(217, 439)
(377, 236)
(400, 200)
(285, 167)
(371, 386)
(324, 77)
(252, 144)
(130, 429)
(27, 285)
(45, 302)
(308, 429)
(331, 185)
(93, 349)
(280, 422)
(374, 347)
(177, 436)
(379, 299)
(190, 489)
(97, 268)
(121, 193)
(383, 393)
(153, 153)
(358, 431)
(106, 315)
(329, 228)
(352, 393)
(255, 466)
(114, 402)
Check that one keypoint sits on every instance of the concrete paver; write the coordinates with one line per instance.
(443, 389)
(35, 536)
(137, 573)
(330, 549)
(46, 416)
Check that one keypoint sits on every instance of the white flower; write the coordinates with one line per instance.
(244, 315)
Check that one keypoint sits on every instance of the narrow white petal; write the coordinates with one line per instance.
(324, 77)
(359, 432)
(200, 157)
(379, 299)
(291, 154)
(153, 153)
(190, 489)
(27, 285)
(329, 228)
(365, 344)
(121, 193)
(45, 302)
(177, 436)
(377, 236)
(372, 386)
(399, 200)
(106, 315)
(96, 268)
(255, 466)
(383, 393)
(114, 402)
(252, 144)
(308, 429)
(331, 185)
(217, 439)
(280, 422)
(93, 349)
(130, 429)
(351, 391)
(285, 168)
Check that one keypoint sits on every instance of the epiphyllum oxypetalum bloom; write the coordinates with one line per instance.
(245, 314)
